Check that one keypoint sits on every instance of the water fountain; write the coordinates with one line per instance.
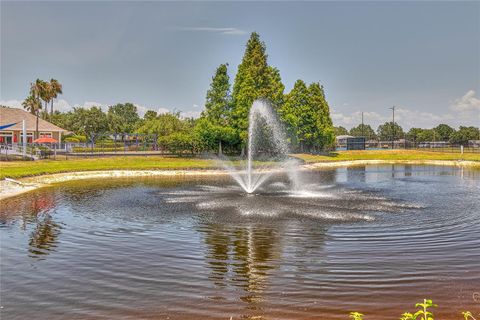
(264, 128)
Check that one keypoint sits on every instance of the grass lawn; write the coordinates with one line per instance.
(388, 155)
(18, 169)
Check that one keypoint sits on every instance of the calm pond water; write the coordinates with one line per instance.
(374, 239)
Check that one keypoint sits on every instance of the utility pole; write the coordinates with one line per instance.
(363, 133)
(393, 126)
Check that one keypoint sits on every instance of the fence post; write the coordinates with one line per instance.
(461, 149)
(124, 144)
(144, 137)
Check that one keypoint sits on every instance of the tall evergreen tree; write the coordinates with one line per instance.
(323, 132)
(218, 102)
(293, 113)
(307, 117)
(254, 80)
(276, 87)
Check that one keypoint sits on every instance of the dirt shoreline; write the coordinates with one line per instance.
(10, 188)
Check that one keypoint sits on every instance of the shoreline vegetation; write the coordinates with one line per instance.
(22, 169)
(37, 174)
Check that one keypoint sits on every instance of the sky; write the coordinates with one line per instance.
(422, 57)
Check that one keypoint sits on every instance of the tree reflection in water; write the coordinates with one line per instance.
(246, 257)
(44, 237)
(36, 215)
(241, 257)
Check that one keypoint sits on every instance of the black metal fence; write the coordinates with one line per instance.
(439, 146)
(136, 144)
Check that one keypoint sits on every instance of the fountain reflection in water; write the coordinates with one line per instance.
(266, 140)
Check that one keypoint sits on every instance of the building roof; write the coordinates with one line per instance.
(14, 115)
(344, 137)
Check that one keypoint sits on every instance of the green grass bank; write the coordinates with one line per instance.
(19, 169)
(389, 155)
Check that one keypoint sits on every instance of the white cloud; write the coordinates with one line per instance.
(62, 105)
(352, 120)
(464, 111)
(190, 114)
(408, 118)
(163, 110)
(405, 117)
(11, 103)
(466, 104)
(141, 109)
(225, 31)
(86, 105)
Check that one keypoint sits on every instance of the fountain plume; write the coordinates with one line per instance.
(266, 137)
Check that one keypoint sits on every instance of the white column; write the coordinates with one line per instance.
(24, 140)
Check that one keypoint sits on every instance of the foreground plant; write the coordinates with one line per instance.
(356, 316)
(422, 314)
(467, 315)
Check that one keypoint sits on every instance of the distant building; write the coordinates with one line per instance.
(434, 144)
(356, 143)
(341, 141)
(474, 143)
(12, 134)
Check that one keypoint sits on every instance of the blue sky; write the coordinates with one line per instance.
(423, 57)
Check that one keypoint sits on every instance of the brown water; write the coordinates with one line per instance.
(373, 239)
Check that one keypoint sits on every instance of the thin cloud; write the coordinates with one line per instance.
(467, 103)
(190, 114)
(225, 31)
(464, 111)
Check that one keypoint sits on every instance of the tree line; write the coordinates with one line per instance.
(223, 124)
(390, 130)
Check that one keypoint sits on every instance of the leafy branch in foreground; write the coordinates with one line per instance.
(467, 315)
(423, 313)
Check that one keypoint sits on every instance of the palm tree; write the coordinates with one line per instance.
(32, 103)
(43, 91)
(56, 89)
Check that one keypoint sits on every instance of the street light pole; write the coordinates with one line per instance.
(363, 133)
(393, 126)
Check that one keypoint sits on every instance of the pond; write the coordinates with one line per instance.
(374, 239)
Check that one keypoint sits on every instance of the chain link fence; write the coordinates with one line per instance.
(472, 146)
(101, 145)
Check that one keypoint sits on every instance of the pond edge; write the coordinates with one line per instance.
(11, 188)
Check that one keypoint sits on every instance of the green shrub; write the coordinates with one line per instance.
(75, 138)
(71, 139)
(96, 149)
(179, 142)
